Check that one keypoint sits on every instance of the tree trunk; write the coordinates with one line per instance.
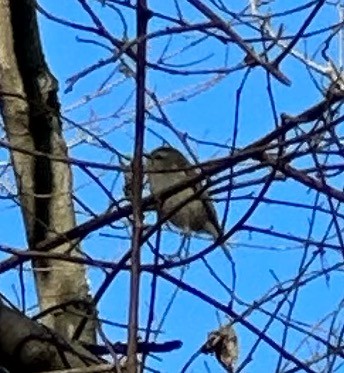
(31, 115)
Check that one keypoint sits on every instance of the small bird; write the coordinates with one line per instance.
(199, 214)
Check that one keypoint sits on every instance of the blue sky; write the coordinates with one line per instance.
(208, 116)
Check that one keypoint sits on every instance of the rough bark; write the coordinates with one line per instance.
(30, 111)
(31, 347)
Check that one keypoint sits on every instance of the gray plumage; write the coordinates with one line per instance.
(197, 215)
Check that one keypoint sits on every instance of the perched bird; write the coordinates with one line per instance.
(199, 214)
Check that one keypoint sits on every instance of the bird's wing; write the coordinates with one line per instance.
(207, 202)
